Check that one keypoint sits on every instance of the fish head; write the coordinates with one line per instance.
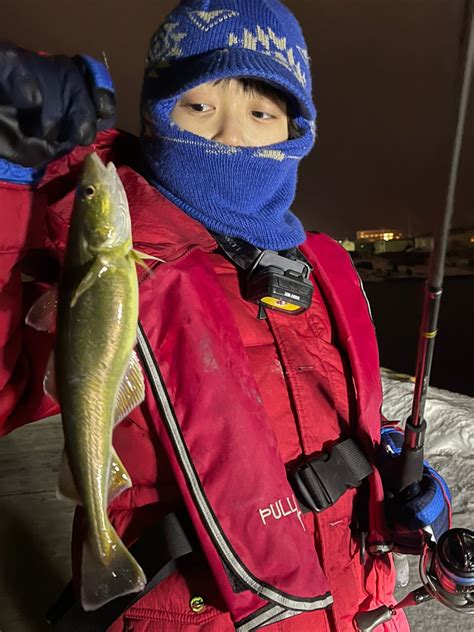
(102, 207)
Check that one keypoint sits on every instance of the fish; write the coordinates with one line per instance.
(94, 372)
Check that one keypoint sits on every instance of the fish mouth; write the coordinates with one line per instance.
(95, 171)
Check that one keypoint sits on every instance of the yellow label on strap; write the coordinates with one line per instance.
(277, 303)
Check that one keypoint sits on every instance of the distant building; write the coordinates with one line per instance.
(458, 238)
(424, 242)
(393, 245)
(461, 237)
(348, 245)
(364, 247)
(379, 233)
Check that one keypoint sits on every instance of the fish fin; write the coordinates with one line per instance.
(113, 574)
(95, 272)
(119, 478)
(132, 390)
(49, 380)
(42, 314)
(141, 257)
(66, 486)
(137, 255)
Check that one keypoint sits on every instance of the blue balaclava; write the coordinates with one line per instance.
(243, 192)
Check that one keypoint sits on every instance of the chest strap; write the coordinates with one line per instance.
(319, 482)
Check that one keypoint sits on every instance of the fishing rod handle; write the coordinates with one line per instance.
(407, 469)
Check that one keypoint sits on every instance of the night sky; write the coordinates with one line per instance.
(384, 83)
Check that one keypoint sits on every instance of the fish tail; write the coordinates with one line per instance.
(110, 575)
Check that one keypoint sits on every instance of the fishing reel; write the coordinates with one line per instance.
(447, 575)
(447, 570)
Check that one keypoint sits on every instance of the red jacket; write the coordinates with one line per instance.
(316, 374)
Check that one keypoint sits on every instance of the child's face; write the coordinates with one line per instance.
(229, 114)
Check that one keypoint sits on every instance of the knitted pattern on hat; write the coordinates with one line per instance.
(242, 192)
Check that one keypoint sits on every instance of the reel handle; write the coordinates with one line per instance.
(368, 621)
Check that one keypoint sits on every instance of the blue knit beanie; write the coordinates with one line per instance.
(208, 40)
(223, 38)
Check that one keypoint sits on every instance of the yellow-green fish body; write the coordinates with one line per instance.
(98, 378)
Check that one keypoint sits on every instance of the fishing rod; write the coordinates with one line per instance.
(446, 567)
(412, 453)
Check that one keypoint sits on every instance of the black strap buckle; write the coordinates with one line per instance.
(320, 482)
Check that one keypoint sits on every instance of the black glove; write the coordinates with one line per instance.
(50, 104)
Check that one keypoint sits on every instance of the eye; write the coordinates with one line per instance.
(262, 116)
(89, 191)
(200, 107)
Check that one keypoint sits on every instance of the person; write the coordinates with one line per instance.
(261, 424)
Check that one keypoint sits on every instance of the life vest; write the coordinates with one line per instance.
(219, 440)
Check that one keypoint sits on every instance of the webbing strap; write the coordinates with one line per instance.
(157, 552)
(244, 255)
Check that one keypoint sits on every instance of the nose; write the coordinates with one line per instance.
(230, 132)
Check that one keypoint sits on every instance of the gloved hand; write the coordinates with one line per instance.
(50, 104)
(431, 508)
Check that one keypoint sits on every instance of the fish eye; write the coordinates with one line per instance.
(89, 191)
